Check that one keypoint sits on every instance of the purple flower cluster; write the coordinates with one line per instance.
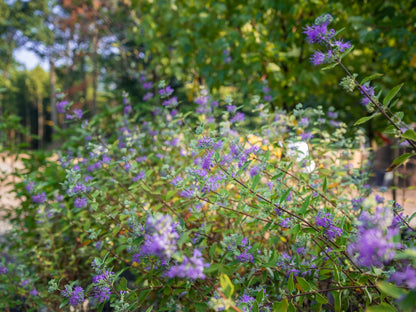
(62, 106)
(105, 277)
(245, 299)
(78, 188)
(147, 85)
(140, 176)
(101, 289)
(209, 143)
(161, 237)
(287, 264)
(320, 33)
(246, 302)
(227, 56)
(208, 161)
(80, 202)
(188, 192)
(172, 102)
(191, 268)
(379, 199)
(3, 270)
(245, 256)
(332, 115)
(75, 296)
(77, 114)
(39, 198)
(231, 108)
(306, 136)
(267, 97)
(405, 277)
(255, 170)
(326, 221)
(285, 223)
(147, 96)
(164, 92)
(370, 91)
(357, 202)
(204, 104)
(29, 187)
(374, 242)
(33, 292)
(101, 293)
(242, 155)
(176, 180)
(238, 117)
(213, 182)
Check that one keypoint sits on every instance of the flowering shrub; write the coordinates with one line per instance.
(196, 211)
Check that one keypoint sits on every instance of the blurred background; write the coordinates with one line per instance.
(92, 51)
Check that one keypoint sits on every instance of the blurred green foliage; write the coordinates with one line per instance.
(187, 39)
(232, 47)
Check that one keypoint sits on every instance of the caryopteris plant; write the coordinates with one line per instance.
(220, 208)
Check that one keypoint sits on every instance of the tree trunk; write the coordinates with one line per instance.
(52, 96)
(41, 122)
(95, 70)
(28, 123)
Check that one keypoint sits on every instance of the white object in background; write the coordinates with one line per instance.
(300, 150)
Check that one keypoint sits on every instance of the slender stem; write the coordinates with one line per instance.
(266, 200)
(382, 111)
(403, 220)
(330, 289)
(236, 211)
(225, 298)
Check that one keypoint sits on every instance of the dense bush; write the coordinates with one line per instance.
(220, 208)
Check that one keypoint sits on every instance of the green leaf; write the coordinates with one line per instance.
(337, 300)
(256, 181)
(384, 307)
(260, 296)
(305, 206)
(336, 273)
(183, 239)
(213, 268)
(408, 303)
(409, 134)
(392, 94)
(371, 77)
(346, 52)
(368, 295)
(339, 31)
(217, 156)
(280, 306)
(295, 229)
(150, 308)
(291, 308)
(329, 66)
(365, 119)
(398, 161)
(201, 306)
(303, 283)
(391, 290)
(123, 284)
(226, 285)
(325, 185)
(321, 299)
(212, 250)
(100, 307)
(390, 130)
(290, 283)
